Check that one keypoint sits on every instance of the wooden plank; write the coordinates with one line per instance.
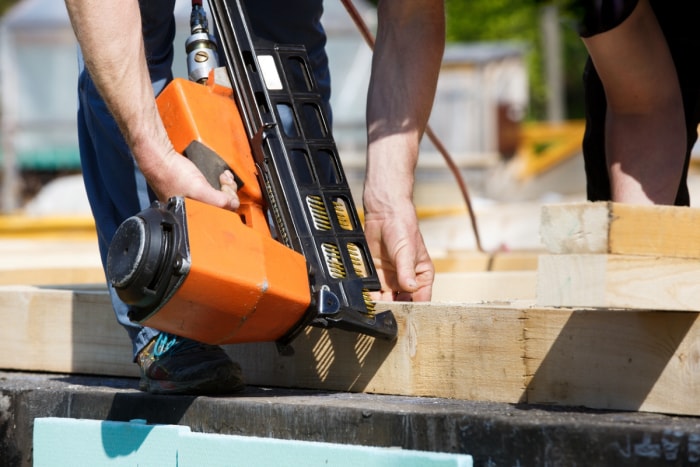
(50, 261)
(463, 351)
(515, 260)
(462, 261)
(473, 261)
(475, 287)
(52, 276)
(654, 230)
(444, 350)
(619, 360)
(70, 330)
(502, 352)
(619, 281)
(614, 228)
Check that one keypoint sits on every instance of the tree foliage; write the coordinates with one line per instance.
(5, 5)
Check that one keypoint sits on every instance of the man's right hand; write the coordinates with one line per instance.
(176, 175)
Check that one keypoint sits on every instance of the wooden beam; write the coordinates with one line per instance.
(462, 261)
(614, 228)
(64, 330)
(52, 276)
(619, 281)
(475, 287)
(498, 351)
(620, 360)
(454, 351)
(613, 255)
(474, 261)
(50, 261)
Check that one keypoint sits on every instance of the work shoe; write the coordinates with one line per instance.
(176, 365)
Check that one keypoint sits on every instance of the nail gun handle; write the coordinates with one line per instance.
(209, 163)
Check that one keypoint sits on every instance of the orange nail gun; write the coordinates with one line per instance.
(294, 254)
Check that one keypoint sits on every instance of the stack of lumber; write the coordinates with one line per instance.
(502, 336)
(49, 250)
(620, 256)
(50, 261)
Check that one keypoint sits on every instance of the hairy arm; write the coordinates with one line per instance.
(405, 67)
(109, 34)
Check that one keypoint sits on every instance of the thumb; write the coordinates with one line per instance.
(225, 199)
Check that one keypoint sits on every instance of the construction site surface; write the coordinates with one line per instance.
(583, 351)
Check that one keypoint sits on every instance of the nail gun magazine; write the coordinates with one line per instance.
(294, 254)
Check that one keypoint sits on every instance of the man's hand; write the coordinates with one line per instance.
(178, 176)
(399, 253)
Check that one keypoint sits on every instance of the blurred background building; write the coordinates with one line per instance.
(482, 95)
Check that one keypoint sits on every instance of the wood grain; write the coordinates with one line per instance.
(615, 228)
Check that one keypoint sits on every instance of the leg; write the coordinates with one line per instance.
(677, 20)
(596, 166)
(116, 188)
(645, 140)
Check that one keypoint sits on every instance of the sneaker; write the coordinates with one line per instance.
(175, 365)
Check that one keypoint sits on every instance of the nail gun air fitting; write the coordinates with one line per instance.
(294, 254)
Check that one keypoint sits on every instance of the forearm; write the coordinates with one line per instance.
(405, 67)
(109, 34)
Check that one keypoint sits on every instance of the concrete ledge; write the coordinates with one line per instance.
(493, 433)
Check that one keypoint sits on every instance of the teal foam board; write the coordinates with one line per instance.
(60, 442)
(68, 442)
(232, 450)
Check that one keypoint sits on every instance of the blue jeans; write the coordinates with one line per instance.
(115, 186)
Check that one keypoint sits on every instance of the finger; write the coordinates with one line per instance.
(227, 180)
(221, 199)
(382, 296)
(230, 189)
(403, 297)
(231, 202)
(423, 294)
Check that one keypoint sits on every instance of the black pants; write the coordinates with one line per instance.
(678, 21)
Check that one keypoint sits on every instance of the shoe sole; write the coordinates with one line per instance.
(193, 388)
